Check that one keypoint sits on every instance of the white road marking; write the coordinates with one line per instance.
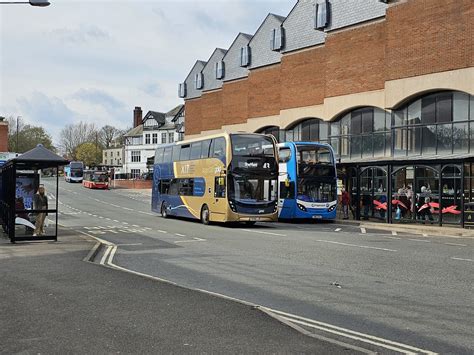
(425, 235)
(180, 235)
(161, 231)
(394, 238)
(124, 222)
(260, 232)
(337, 229)
(136, 225)
(394, 233)
(106, 253)
(456, 244)
(363, 230)
(366, 338)
(128, 209)
(462, 259)
(195, 239)
(129, 245)
(419, 240)
(355, 245)
(116, 221)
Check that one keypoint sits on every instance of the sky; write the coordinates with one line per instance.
(95, 61)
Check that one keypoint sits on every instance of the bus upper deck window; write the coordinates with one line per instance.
(205, 148)
(218, 148)
(167, 155)
(175, 154)
(185, 152)
(284, 155)
(196, 150)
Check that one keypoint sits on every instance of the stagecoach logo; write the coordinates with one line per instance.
(250, 165)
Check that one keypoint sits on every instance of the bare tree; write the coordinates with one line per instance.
(107, 135)
(73, 135)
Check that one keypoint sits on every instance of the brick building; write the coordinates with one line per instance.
(389, 84)
(3, 136)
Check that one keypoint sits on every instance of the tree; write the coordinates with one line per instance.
(24, 137)
(107, 135)
(74, 135)
(89, 153)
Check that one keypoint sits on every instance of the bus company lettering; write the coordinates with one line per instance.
(187, 169)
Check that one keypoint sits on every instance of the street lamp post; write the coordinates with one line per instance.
(39, 3)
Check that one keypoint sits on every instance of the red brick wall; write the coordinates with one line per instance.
(264, 91)
(193, 116)
(303, 78)
(429, 36)
(131, 184)
(3, 137)
(417, 37)
(211, 110)
(355, 60)
(235, 101)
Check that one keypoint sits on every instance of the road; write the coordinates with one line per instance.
(399, 290)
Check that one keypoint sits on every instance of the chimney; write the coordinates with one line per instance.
(3, 135)
(137, 116)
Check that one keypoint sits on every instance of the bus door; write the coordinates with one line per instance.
(219, 204)
(286, 187)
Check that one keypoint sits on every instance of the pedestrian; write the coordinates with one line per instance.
(345, 201)
(40, 202)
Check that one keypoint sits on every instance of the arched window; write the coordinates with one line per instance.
(361, 133)
(273, 130)
(309, 130)
(434, 124)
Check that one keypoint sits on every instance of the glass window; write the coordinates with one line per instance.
(251, 146)
(136, 156)
(414, 113)
(287, 190)
(196, 150)
(355, 124)
(176, 151)
(399, 117)
(428, 110)
(284, 155)
(399, 141)
(345, 122)
(167, 155)
(460, 106)
(218, 148)
(444, 108)
(185, 152)
(155, 138)
(323, 130)
(429, 140)
(335, 128)
(305, 131)
(367, 146)
(344, 147)
(171, 137)
(460, 137)
(367, 117)
(321, 17)
(163, 137)
(379, 120)
(379, 144)
(444, 134)
(147, 139)
(414, 140)
(356, 143)
(219, 187)
(205, 148)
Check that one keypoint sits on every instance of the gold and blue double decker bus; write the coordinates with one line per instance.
(220, 178)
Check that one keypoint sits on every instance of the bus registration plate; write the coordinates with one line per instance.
(318, 216)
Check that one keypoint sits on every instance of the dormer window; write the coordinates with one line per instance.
(198, 81)
(245, 56)
(321, 15)
(220, 72)
(182, 90)
(276, 42)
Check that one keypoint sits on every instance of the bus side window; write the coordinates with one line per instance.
(206, 145)
(159, 156)
(167, 155)
(186, 187)
(284, 155)
(185, 152)
(176, 151)
(219, 187)
(218, 148)
(287, 191)
(165, 187)
(174, 185)
(196, 150)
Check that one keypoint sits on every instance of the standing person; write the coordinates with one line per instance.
(40, 202)
(345, 201)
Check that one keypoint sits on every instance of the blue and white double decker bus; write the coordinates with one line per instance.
(307, 181)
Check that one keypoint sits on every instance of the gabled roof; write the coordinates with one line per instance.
(291, 11)
(175, 111)
(221, 50)
(158, 116)
(137, 131)
(278, 17)
(241, 34)
(194, 66)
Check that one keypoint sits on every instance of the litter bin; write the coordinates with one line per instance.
(469, 215)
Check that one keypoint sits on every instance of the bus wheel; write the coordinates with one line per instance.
(164, 211)
(205, 215)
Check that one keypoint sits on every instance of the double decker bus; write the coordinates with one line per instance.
(96, 179)
(307, 181)
(220, 178)
(74, 172)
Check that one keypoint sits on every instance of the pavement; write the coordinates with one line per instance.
(52, 302)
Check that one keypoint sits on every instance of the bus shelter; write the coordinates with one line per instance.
(29, 201)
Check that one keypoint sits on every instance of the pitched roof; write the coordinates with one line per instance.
(195, 64)
(278, 17)
(158, 116)
(175, 111)
(137, 131)
(40, 156)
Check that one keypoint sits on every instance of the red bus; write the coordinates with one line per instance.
(96, 180)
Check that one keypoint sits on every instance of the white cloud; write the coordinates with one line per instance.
(97, 60)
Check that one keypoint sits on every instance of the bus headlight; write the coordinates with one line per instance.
(301, 207)
(332, 208)
(232, 206)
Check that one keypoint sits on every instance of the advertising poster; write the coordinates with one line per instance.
(26, 186)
